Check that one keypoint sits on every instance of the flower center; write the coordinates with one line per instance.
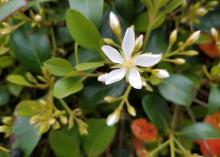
(128, 63)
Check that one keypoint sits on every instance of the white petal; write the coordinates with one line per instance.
(102, 78)
(115, 75)
(134, 78)
(114, 21)
(128, 43)
(147, 60)
(112, 54)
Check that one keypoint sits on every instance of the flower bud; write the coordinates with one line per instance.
(139, 43)
(43, 128)
(201, 11)
(131, 110)
(38, 18)
(113, 117)
(192, 38)
(162, 74)
(214, 33)
(56, 125)
(173, 37)
(7, 120)
(63, 120)
(109, 41)
(4, 128)
(190, 53)
(109, 99)
(115, 24)
(179, 61)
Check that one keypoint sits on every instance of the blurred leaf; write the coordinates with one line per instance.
(4, 95)
(28, 108)
(172, 5)
(214, 99)
(25, 136)
(14, 89)
(93, 10)
(125, 8)
(11, 7)
(67, 86)
(58, 66)
(82, 30)
(31, 48)
(65, 143)
(3, 154)
(178, 89)
(18, 79)
(157, 111)
(99, 137)
(89, 65)
(6, 61)
(199, 131)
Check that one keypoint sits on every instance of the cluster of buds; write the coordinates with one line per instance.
(192, 13)
(181, 50)
(6, 128)
(48, 118)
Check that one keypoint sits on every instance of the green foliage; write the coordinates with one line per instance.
(27, 108)
(214, 99)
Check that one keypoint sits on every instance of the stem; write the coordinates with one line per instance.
(76, 46)
(202, 103)
(179, 145)
(172, 146)
(159, 148)
(54, 45)
(4, 149)
(175, 116)
(147, 35)
(66, 107)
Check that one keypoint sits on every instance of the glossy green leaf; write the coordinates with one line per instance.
(157, 111)
(58, 66)
(18, 79)
(89, 65)
(25, 136)
(65, 143)
(99, 137)
(214, 99)
(4, 95)
(11, 7)
(91, 9)
(82, 30)
(199, 131)
(67, 86)
(28, 108)
(31, 48)
(178, 89)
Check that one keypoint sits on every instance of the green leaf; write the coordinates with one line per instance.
(160, 3)
(58, 66)
(157, 111)
(4, 95)
(6, 61)
(65, 143)
(11, 7)
(82, 30)
(89, 65)
(173, 4)
(199, 131)
(67, 86)
(14, 89)
(28, 108)
(31, 48)
(18, 79)
(3, 154)
(90, 9)
(214, 99)
(25, 136)
(178, 89)
(99, 137)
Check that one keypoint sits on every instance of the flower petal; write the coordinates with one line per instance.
(112, 54)
(102, 78)
(147, 60)
(128, 43)
(115, 75)
(134, 78)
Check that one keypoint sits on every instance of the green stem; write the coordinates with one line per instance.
(3, 149)
(172, 146)
(159, 148)
(54, 45)
(147, 35)
(66, 107)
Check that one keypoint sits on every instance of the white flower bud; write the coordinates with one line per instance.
(113, 118)
(173, 37)
(214, 33)
(109, 99)
(190, 53)
(139, 43)
(179, 61)
(38, 18)
(162, 74)
(131, 110)
(114, 23)
(192, 38)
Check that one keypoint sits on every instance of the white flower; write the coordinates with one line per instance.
(162, 74)
(114, 23)
(127, 64)
(113, 118)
